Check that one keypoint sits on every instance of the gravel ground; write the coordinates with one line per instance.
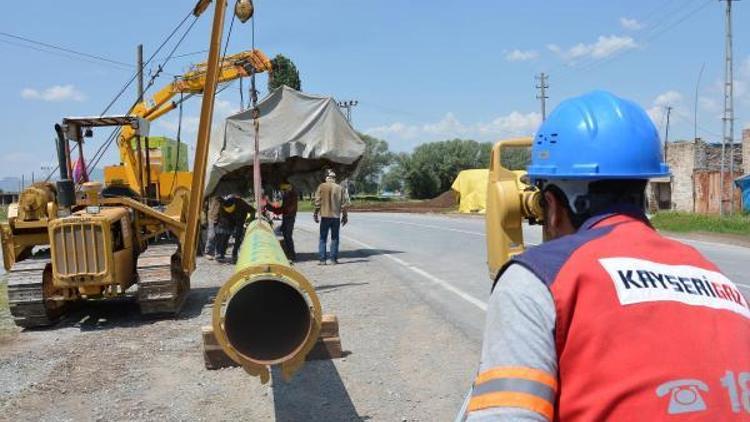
(104, 362)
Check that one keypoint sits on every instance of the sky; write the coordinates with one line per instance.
(421, 71)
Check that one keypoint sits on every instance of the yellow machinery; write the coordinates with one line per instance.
(266, 313)
(510, 200)
(100, 246)
(152, 181)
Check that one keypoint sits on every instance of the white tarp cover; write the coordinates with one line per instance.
(301, 135)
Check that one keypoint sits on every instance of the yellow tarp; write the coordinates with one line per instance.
(471, 186)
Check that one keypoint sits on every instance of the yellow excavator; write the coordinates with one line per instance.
(152, 181)
(99, 246)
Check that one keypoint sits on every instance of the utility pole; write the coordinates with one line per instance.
(728, 119)
(666, 134)
(348, 105)
(542, 87)
(139, 58)
(695, 105)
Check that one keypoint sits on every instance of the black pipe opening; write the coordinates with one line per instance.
(267, 320)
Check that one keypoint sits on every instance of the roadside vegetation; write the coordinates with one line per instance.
(3, 213)
(683, 222)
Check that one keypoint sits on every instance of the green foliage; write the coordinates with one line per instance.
(688, 222)
(393, 179)
(516, 158)
(370, 169)
(284, 73)
(3, 212)
(431, 169)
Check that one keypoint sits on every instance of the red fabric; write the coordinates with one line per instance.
(613, 357)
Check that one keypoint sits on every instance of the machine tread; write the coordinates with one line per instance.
(26, 294)
(162, 285)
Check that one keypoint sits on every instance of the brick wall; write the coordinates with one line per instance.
(746, 150)
(682, 157)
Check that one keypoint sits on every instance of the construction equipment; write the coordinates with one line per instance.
(153, 181)
(266, 313)
(100, 246)
(510, 201)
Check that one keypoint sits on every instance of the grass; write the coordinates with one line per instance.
(687, 222)
(357, 202)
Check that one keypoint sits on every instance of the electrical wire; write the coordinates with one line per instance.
(135, 75)
(649, 38)
(67, 50)
(61, 54)
(115, 132)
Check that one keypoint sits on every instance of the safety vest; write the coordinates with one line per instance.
(646, 328)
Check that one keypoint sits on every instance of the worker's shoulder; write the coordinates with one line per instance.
(545, 260)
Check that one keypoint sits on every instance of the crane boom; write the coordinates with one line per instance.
(193, 82)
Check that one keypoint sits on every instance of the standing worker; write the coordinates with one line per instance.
(288, 210)
(609, 320)
(232, 215)
(331, 202)
(214, 204)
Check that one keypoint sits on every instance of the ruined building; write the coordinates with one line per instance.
(695, 184)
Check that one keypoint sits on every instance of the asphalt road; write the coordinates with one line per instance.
(443, 258)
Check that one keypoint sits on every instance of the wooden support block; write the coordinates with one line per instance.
(326, 348)
(329, 326)
(328, 345)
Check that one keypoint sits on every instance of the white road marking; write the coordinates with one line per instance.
(413, 268)
(428, 226)
(442, 283)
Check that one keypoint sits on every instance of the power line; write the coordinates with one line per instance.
(65, 49)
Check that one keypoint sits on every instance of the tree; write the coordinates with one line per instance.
(516, 158)
(284, 73)
(393, 179)
(431, 169)
(370, 169)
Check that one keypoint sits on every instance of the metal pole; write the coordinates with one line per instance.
(666, 134)
(139, 58)
(201, 147)
(728, 119)
(695, 106)
(542, 93)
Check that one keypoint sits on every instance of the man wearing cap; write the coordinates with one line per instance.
(288, 211)
(608, 320)
(331, 203)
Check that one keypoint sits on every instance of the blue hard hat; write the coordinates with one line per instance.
(597, 136)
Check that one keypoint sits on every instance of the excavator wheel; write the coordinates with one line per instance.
(162, 285)
(30, 294)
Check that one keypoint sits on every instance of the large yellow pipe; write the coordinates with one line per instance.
(267, 313)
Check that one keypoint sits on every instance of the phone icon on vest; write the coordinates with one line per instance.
(684, 396)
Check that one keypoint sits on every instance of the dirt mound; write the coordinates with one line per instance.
(441, 203)
(445, 200)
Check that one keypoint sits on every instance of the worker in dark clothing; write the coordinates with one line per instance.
(232, 215)
(212, 217)
(288, 210)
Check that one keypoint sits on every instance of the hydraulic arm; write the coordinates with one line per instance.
(193, 82)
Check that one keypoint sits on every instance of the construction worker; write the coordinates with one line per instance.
(288, 210)
(331, 203)
(232, 215)
(212, 217)
(609, 320)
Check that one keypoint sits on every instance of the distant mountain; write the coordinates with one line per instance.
(11, 184)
